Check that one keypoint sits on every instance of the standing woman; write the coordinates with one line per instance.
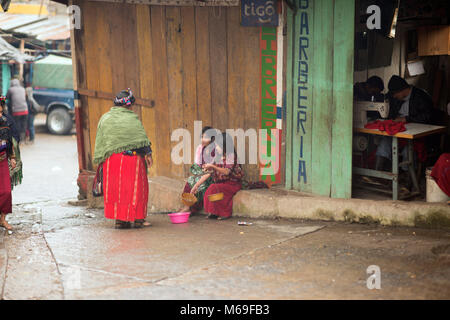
(7, 158)
(124, 152)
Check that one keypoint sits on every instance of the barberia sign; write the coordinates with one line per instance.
(259, 13)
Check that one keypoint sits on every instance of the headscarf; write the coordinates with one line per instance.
(124, 101)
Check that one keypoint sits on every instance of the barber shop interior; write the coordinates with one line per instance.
(401, 109)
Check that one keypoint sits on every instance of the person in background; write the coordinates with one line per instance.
(406, 104)
(18, 106)
(7, 158)
(373, 87)
(33, 108)
(409, 103)
(124, 151)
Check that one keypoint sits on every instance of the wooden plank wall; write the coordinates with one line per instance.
(196, 63)
(320, 95)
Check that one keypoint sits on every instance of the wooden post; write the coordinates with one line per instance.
(77, 104)
(342, 120)
(320, 98)
(22, 50)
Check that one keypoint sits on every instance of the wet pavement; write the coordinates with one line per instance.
(62, 251)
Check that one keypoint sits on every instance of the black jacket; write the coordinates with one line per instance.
(420, 107)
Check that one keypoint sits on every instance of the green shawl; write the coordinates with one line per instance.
(197, 171)
(118, 130)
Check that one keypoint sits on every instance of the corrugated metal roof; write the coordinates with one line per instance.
(39, 27)
(10, 22)
(8, 52)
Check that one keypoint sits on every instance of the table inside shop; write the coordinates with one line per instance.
(413, 131)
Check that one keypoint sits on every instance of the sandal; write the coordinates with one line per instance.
(5, 225)
(139, 223)
(211, 216)
(122, 224)
(223, 218)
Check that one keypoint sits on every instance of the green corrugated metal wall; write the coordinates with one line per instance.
(320, 97)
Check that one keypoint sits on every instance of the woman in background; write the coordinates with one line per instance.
(7, 159)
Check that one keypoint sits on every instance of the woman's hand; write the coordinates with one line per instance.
(149, 161)
(208, 167)
(13, 163)
(194, 189)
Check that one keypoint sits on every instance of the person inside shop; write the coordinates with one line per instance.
(407, 103)
(373, 87)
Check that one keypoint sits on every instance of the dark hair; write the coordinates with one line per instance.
(227, 140)
(376, 82)
(397, 84)
(209, 132)
(124, 94)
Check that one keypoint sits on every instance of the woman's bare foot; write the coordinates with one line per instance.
(5, 224)
(185, 209)
(146, 224)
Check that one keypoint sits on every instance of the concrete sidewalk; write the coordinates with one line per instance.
(164, 196)
(58, 251)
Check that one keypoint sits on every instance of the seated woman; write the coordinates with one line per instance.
(227, 179)
(199, 182)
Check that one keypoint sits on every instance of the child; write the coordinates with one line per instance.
(199, 182)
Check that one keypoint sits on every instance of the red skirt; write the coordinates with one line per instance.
(222, 207)
(125, 187)
(5, 187)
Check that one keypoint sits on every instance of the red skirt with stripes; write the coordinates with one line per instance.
(5, 186)
(125, 187)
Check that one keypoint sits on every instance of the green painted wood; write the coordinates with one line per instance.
(321, 97)
(6, 78)
(322, 119)
(342, 133)
(289, 68)
(303, 100)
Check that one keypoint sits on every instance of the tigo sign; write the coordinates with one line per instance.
(255, 13)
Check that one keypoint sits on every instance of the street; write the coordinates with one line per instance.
(64, 251)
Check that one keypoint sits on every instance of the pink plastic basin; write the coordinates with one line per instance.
(179, 217)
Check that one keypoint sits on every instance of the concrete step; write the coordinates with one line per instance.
(164, 196)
